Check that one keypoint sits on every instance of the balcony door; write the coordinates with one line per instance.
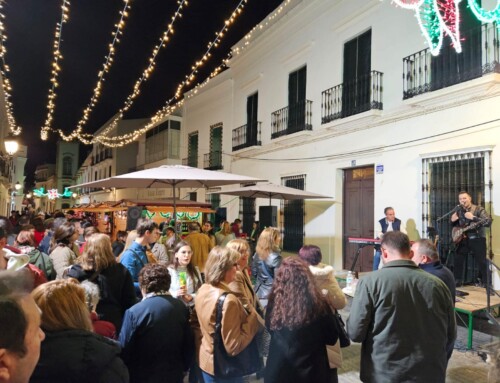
(193, 150)
(297, 100)
(252, 103)
(215, 161)
(449, 67)
(356, 81)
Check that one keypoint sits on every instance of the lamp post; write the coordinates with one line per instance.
(11, 148)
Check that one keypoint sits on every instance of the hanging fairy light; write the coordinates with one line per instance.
(162, 41)
(106, 66)
(261, 26)
(125, 139)
(56, 68)
(4, 70)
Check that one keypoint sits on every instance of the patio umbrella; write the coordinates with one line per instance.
(174, 176)
(270, 190)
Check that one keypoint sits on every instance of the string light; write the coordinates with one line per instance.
(162, 41)
(435, 18)
(106, 66)
(168, 108)
(261, 26)
(492, 16)
(56, 68)
(16, 130)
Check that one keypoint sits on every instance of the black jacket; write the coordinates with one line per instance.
(263, 272)
(116, 288)
(79, 356)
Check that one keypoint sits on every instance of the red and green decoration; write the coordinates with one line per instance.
(52, 193)
(439, 17)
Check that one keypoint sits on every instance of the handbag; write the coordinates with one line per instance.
(343, 337)
(245, 363)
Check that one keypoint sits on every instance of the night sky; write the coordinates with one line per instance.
(30, 27)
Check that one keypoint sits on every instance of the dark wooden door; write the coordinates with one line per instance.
(358, 215)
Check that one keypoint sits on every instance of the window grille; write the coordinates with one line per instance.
(293, 212)
(443, 177)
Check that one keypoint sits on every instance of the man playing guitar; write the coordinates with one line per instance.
(468, 222)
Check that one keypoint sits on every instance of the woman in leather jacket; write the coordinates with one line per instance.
(266, 260)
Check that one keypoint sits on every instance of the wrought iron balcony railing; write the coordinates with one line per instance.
(247, 135)
(292, 119)
(352, 97)
(190, 161)
(480, 55)
(212, 160)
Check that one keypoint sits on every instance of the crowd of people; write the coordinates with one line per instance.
(212, 307)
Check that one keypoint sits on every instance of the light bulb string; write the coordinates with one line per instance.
(51, 105)
(164, 38)
(167, 108)
(7, 87)
(101, 76)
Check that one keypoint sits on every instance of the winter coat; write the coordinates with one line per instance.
(79, 356)
(299, 355)
(238, 327)
(62, 257)
(116, 290)
(325, 279)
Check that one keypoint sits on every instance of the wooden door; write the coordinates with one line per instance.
(358, 215)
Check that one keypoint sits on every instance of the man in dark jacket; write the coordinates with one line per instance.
(157, 341)
(404, 317)
(426, 257)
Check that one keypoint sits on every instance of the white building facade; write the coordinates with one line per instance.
(344, 98)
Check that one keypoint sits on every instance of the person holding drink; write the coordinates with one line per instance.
(186, 278)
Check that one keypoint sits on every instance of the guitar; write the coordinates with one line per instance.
(458, 233)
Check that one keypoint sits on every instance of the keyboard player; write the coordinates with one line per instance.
(388, 223)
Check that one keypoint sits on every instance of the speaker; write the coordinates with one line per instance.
(133, 215)
(268, 216)
(220, 215)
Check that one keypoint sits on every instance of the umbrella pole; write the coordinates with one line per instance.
(175, 212)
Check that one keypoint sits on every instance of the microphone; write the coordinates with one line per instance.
(457, 208)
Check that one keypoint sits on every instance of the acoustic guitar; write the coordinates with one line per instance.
(458, 233)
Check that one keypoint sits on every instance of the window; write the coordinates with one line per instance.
(193, 150)
(252, 124)
(163, 141)
(192, 196)
(356, 81)
(297, 100)
(293, 215)
(214, 200)
(215, 155)
(67, 166)
(444, 178)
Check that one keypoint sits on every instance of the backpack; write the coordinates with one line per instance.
(43, 262)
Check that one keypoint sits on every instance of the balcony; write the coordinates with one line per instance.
(246, 136)
(352, 97)
(292, 119)
(191, 160)
(212, 160)
(480, 55)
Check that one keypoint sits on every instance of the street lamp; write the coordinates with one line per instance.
(17, 186)
(11, 145)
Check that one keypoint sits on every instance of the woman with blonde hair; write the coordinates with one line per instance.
(266, 260)
(242, 285)
(98, 264)
(224, 235)
(238, 326)
(71, 352)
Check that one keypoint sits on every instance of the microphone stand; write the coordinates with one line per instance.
(447, 214)
(439, 225)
